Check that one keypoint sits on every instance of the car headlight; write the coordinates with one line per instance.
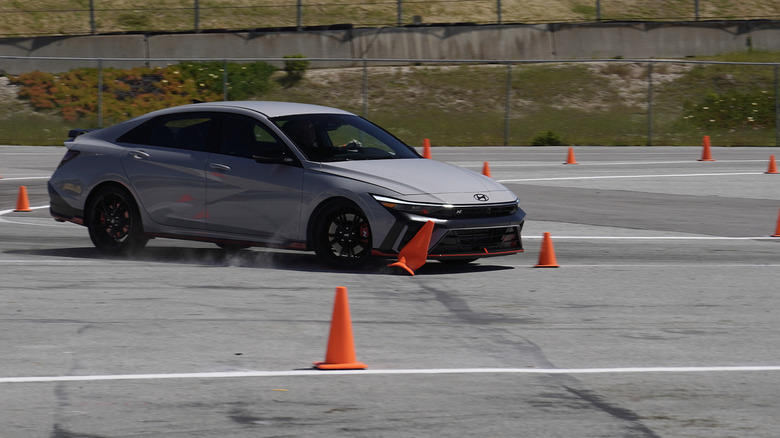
(418, 208)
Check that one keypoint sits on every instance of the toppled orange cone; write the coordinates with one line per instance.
(22, 203)
(415, 253)
(426, 148)
(706, 154)
(340, 354)
(570, 157)
(486, 169)
(772, 165)
(547, 255)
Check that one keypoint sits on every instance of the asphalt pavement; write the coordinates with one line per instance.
(661, 320)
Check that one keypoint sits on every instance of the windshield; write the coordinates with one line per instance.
(338, 137)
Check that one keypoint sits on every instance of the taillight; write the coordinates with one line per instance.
(69, 155)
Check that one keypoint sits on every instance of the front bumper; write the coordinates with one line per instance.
(458, 238)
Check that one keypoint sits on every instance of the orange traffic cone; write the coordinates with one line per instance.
(570, 157)
(426, 148)
(341, 343)
(547, 255)
(486, 169)
(415, 253)
(706, 154)
(772, 165)
(777, 229)
(22, 203)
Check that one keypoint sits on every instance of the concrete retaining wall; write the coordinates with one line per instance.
(514, 42)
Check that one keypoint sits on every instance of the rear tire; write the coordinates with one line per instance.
(114, 221)
(342, 235)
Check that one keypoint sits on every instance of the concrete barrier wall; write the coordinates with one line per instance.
(504, 42)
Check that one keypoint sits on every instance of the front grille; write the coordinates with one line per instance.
(479, 240)
(477, 211)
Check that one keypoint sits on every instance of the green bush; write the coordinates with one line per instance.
(548, 138)
(294, 69)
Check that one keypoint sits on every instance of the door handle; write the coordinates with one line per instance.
(139, 155)
(220, 167)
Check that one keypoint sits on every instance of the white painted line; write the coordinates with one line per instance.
(678, 265)
(499, 164)
(531, 237)
(48, 262)
(318, 373)
(22, 178)
(2, 212)
(7, 152)
(655, 237)
(629, 176)
(9, 221)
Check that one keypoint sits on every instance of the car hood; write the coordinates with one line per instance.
(418, 179)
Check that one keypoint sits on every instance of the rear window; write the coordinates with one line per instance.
(181, 131)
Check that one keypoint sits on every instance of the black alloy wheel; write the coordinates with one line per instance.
(114, 221)
(342, 235)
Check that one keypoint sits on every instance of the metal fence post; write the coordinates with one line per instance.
(498, 11)
(197, 16)
(365, 88)
(508, 102)
(299, 15)
(777, 104)
(100, 93)
(92, 16)
(598, 10)
(650, 103)
(400, 15)
(225, 80)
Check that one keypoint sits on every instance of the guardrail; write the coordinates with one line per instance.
(469, 102)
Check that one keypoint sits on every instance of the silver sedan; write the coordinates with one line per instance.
(276, 174)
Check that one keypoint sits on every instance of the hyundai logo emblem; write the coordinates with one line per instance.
(481, 197)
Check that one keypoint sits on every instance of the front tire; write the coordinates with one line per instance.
(114, 221)
(342, 235)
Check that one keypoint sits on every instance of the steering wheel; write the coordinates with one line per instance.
(353, 145)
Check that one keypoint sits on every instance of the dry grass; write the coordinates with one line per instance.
(55, 17)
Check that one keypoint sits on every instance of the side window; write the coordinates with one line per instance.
(243, 136)
(182, 131)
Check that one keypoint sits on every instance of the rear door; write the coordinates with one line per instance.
(165, 161)
(248, 198)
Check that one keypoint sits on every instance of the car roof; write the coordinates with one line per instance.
(269, 108)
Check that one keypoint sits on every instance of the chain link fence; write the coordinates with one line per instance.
(78, 17)
(451, 102)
